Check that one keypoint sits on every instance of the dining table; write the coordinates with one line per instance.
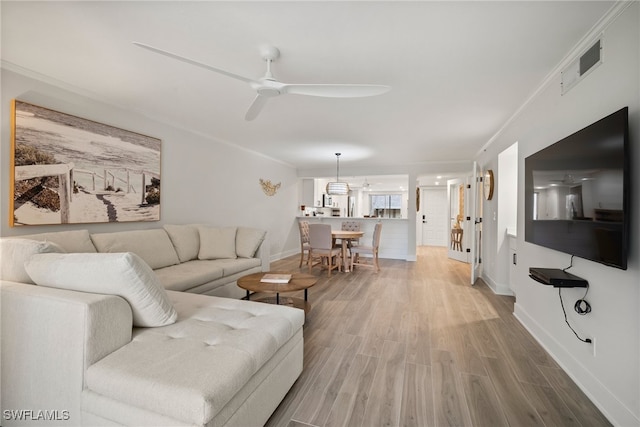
(345, 236)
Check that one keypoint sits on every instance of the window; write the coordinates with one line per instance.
(385, 205)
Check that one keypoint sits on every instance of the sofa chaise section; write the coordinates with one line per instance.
(203, 368)
(223, 362)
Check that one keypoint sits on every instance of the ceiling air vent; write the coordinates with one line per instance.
(580, 67)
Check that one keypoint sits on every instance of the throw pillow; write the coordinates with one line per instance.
(248, 240)
(15, 252)
(122, 274)
(217, 242)
(70, 240)
(153, 245)
(185, 239)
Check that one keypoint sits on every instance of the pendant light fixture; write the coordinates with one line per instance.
(337, 188)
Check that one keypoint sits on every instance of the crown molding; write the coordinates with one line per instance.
(592, 35)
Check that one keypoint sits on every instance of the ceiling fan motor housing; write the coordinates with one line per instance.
(268, 87)
(270, 53)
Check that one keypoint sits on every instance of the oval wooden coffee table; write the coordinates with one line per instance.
(298, 282)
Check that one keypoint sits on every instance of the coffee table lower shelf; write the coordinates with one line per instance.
(285, 300)
(298, 282)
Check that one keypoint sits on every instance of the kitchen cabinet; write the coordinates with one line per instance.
(308, 198)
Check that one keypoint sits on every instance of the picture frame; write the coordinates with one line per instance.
(70, 170)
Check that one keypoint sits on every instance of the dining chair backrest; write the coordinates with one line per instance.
(304, 231)
(351, 225)
(376, 235)
(320, 236)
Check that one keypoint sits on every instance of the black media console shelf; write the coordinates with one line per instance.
(557, 278)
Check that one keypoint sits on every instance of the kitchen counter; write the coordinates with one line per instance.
(350, 218)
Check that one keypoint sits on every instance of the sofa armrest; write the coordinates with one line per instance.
(49, 338)
(264, 253)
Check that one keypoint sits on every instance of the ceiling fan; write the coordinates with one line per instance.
(268, 87)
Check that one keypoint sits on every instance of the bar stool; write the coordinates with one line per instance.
(456, 239)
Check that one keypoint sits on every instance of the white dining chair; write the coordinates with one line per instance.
(351, 226)
(321, 248)
(372, 250)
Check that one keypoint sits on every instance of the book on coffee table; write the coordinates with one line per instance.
(276, 278)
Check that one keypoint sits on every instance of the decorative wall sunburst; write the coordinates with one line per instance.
(269, 188)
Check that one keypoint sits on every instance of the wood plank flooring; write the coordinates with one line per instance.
(416, 345)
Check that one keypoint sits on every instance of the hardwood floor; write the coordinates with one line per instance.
(416, 345)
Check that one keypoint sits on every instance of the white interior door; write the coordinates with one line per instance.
(457, 195)
(476, 222)
(433, 212)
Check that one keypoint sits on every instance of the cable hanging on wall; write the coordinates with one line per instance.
(581, 306)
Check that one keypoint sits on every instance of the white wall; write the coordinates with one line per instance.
(611, 377)
(507, 207)
(203, 181)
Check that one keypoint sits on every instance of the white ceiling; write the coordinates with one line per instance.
(458, 70)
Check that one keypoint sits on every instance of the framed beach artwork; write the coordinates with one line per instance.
(69, 170)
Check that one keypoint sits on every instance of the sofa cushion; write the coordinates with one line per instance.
(217, 242)
(248, 240)
(191, 369)
(15, 252)
(233, 266)
(153, 246)
(70, 241)
(122, 274)
(189, 274)
(185, 239)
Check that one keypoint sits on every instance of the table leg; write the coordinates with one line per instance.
(305, 294)
(248, 294)
(277, 298)
(345, 265)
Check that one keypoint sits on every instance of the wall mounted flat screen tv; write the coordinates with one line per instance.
(577, 193)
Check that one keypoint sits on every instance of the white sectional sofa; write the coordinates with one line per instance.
(193, 258)
(97, 340)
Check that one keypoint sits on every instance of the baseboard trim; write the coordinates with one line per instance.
(497, 288)
(285, 254)
(610, 406)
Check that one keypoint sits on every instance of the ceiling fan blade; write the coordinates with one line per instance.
(255, 107)
(196, 63)
(335, 91)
